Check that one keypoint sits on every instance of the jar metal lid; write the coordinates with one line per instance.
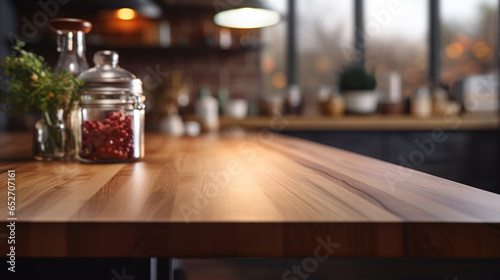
(114, 86)
(107, 78)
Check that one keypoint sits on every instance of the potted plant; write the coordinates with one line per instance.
(358, 88)
(32, 86)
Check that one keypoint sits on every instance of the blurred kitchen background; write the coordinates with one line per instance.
(436, 65)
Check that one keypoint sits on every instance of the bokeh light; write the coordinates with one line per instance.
(279, 80)
(268, 64)
(481, 49)
(125, 14)
(454, 50)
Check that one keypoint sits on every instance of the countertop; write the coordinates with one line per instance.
(471, 121)
(246, 195)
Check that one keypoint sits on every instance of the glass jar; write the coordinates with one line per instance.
(50, 137)
(110, 126)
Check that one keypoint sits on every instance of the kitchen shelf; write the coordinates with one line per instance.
(476, 121)
(140, 48)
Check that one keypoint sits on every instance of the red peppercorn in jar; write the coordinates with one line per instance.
(110, 126)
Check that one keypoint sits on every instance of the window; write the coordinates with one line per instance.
(273, 58)
(469, 33)
(397, 41)
(396, 34)
(325, 39)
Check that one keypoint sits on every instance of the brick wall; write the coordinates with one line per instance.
(236, 70)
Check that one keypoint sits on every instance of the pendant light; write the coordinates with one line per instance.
(250, 14)
(126, 9)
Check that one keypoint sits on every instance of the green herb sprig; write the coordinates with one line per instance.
(31, 85)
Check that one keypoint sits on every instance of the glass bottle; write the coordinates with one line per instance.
(71, 44)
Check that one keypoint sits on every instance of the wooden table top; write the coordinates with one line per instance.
(248, 195)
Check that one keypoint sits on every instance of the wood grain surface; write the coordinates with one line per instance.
(473, 121)
(246, 195)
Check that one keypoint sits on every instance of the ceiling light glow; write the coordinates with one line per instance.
(125, 14)
(246, 18)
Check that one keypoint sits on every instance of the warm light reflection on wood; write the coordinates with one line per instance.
(251, 178)
(257, 195)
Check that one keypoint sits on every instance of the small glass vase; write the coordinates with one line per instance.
(52, 139)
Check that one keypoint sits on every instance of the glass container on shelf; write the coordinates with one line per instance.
(207, 110)
(71, 44)
(111, 113)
